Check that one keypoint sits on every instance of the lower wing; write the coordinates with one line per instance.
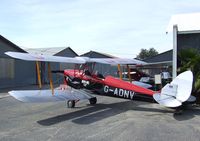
(46, 95)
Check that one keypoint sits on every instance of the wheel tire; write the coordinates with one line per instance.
(93, 100)
(71, 104)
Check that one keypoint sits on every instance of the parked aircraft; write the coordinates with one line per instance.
(79, 81)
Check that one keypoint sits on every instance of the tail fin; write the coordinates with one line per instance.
(177, 92)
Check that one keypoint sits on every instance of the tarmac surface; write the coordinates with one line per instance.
(110, 119)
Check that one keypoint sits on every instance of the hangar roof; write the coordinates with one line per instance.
(11, 44)
(162, 57)
(58, 51)
(186, 23)
(95, 54)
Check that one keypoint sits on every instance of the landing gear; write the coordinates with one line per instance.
(71, 103)
(93, 100)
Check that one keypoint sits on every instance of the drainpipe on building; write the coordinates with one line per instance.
(174, 65)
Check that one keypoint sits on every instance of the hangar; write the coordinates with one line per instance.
(16, 73)
(24, 73)
(104, 69)
(159, 63)
(12, 71)
(185, 30)
(186, 34)
(57, 51)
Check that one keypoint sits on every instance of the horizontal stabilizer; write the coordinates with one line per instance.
(167, 101)
(177, 92)
(46, 95)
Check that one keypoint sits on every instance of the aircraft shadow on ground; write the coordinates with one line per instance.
(187, 114)
(98, 112)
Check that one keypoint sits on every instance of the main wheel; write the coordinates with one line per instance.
(93, 100)
(71, 103)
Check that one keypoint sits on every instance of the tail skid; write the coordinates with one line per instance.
(177, 92)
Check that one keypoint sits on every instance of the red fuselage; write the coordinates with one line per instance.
(109, 82)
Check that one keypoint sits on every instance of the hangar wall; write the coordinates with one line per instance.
(14, 72)
(191, 40)
(103, 69)
(185, 41)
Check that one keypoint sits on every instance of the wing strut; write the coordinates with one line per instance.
(38, 74)
(129, 74)
(120, 72)
(50, 78)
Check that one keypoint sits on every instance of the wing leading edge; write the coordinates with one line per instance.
(34, 96)
(45, 58)
(116, 61)
(76, 60)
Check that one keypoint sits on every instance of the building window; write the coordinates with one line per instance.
(7, 68)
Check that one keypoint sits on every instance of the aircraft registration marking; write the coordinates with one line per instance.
(119, 92)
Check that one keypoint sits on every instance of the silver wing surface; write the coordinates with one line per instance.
(35, 96)
(45, 58)
(77, 60)
(115, 61)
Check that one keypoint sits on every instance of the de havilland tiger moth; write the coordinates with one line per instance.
(76, 81)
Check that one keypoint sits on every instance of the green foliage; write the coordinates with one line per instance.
(145, 53)
(190, 59)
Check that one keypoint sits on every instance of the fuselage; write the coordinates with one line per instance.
(108, 86)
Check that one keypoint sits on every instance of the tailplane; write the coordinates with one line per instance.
(177, 92)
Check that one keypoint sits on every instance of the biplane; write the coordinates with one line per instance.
(80, 83)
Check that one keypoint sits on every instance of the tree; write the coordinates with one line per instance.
(190, 59)
(144, 53)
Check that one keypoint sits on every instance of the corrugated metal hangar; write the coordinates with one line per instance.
(12, 71)
(15, 72)
(103, 69)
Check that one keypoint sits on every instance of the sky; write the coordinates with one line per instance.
(116, 27)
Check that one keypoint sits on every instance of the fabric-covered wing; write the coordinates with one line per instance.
(141, 84)
(45, 58)
(115, 61)
(46, 95)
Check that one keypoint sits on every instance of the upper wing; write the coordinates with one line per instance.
(77, 60)
(46, 58)
(115, 61)
(46, 95)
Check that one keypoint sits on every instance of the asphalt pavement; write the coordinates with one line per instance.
(110, 119)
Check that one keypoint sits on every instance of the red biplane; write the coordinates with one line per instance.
(81, 79)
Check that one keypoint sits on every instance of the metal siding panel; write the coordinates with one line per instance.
(188, 41)
(25, 72)
(7, 68)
